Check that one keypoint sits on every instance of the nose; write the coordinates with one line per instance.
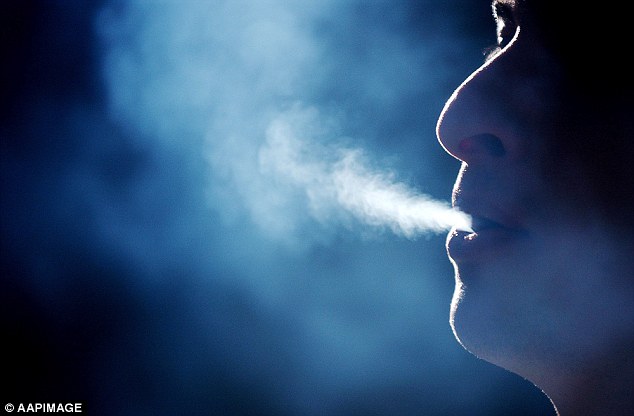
(479, 121)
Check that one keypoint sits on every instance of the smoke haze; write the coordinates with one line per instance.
(337, 181)
(213, 208)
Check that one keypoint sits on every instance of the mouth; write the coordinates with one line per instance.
(486, 239)
(479, 224)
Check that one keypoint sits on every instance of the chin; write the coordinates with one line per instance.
(472, 324)
(494, 318)
(529, 313)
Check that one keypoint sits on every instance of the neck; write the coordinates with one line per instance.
(604, 388)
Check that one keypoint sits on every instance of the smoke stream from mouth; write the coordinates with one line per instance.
(339, 183)
(221, 80)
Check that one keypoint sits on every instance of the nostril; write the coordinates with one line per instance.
(482, 143)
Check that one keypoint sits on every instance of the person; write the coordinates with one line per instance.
(543, 130)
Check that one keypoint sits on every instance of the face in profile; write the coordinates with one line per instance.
(543, 281)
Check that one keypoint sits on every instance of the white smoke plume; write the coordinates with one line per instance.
(218, 79)
(338, 183)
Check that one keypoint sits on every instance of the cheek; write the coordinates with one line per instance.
(592, 167)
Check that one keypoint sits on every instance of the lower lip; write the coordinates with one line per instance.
(465, 246)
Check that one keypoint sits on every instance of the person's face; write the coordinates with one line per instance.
(531, 275)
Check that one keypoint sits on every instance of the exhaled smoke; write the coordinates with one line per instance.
(340, 186)
(179, 72)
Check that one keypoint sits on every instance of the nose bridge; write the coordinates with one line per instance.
(469, 123)
(483, 107)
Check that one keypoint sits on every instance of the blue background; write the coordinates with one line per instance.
(148, 266)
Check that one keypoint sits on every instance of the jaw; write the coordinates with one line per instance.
(551, 311)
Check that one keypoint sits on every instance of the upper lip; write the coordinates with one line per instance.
(479, 223)
(481, 217)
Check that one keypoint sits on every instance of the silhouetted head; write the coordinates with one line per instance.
(544, 132)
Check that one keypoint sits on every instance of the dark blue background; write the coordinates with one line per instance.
(140, 273)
